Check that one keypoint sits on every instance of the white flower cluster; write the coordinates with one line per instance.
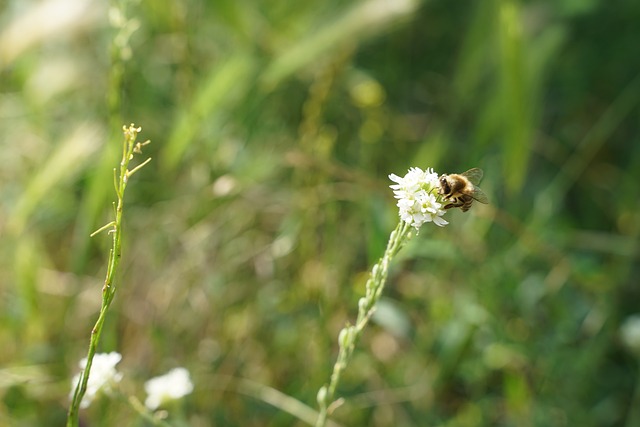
(418, 199)
(172, 385)
(103, 376)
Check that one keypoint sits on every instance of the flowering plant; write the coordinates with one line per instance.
(419, 201)
(82, 384)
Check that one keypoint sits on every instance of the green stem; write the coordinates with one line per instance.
(350, 335)
(144, 412)
(109, 288)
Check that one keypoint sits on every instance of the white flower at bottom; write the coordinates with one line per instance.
(418, 198)
(103, 376)
(172, 385)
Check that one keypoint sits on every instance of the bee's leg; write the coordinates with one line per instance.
(456, 202)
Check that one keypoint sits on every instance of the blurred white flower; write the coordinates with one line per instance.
(172, 385)
(418, 198)
(103, 376)
(630, 333)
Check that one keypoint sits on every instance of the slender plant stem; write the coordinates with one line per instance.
(350, 335)
(109, 288)
(144, 412)
(633, 416)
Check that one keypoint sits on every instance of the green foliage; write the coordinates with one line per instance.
(246, 245)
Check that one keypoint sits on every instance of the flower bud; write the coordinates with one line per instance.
(321, 397)
(346, 337)
(362, 305)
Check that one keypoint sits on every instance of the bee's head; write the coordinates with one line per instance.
(445, 188)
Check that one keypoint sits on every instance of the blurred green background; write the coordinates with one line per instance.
(248, 239)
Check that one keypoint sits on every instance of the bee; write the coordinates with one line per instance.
(460, 190)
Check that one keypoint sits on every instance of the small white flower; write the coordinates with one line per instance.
(630, 333)
(418, 198)
(172, 385)
(103, 376)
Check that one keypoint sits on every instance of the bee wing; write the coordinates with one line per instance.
(474, 175)
(479, 195)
